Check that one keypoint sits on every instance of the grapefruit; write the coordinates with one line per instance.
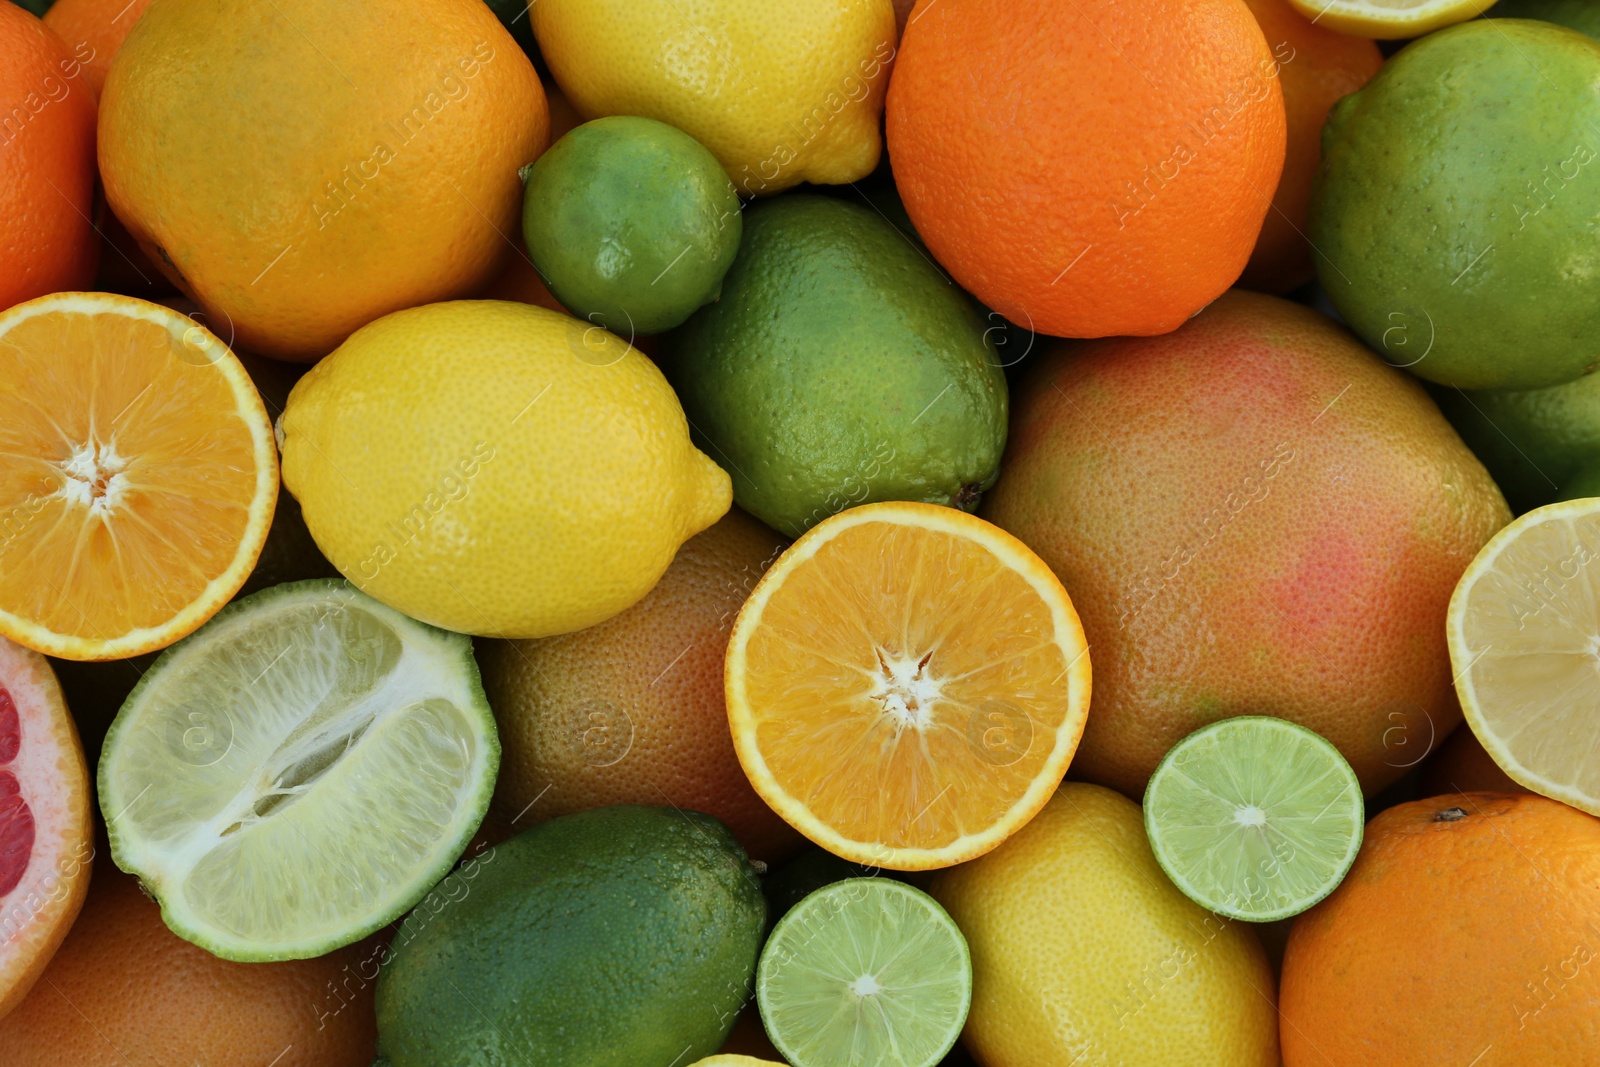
(46, 833)
(124, 991)
(1254, 515)
(631, 711)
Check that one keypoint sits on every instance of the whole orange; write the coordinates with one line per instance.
(631, 711)
(303, 167)
(124, 991)
(1467, 933)
(1317, 67)
(1089, 168)
(1254, 515)
(95, 29)
(47, 121)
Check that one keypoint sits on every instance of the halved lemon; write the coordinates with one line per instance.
(906, 685)
(1389, 20)
(138, 475)
(1524, 633)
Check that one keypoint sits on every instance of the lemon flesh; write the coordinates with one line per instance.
(299, 772)
(1389, 20)
(1524, 632)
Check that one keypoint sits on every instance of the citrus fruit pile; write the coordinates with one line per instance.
(834, 533)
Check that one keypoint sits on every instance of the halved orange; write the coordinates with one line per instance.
(138, 475)
(906, 685)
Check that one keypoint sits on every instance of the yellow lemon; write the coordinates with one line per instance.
(780, 93)
(1084, 953)
(496, 468)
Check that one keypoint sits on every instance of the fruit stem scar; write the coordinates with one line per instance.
(1450, 815)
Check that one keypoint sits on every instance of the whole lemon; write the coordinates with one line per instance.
(301, 167)
(780, 93)
(1084, 953)
(496, 468)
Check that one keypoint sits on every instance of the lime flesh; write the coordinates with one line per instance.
(1254, 818)
(866, 972)
(298, 772)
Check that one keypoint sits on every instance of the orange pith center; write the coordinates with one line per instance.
(906, 686)
(126, 473)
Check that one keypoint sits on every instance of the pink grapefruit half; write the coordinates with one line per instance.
(46, 832)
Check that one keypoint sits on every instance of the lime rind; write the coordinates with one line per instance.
(1254, 818)
(1522, 637)
(299, 772)
(866, 972)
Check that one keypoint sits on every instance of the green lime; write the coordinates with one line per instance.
(797, 878)
(631, 222)
(866, 972)
(839, 368)
(615, 937)
(1454, 208)
(1580, 15)
(299, 771)
(1254, 817)
(1531, 440)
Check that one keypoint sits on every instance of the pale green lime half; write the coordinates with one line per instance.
(866, 972)
(299, 771)
(1254, 817)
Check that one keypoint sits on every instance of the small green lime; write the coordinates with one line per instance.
(1254, 817)
(616, 937)
(631, 222)
(1455, 208)
(840, 367)
(299, 771)
(866, 972)
(1532, 440)
(1580, 15)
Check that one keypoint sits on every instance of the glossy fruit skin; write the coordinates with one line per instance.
(47, 169)
(1578, 15)
(1468, 921)
(124, 990)
(780, 94)
(1447, 213)
(633, 222)
(1317, 67)
(95, 29)
(611, 938)
(631, 711)
(308, 213)
(1084, 169)
(1084, 952)
(496, 468)
(1534, 441)
(839, 368)
(1253, 515)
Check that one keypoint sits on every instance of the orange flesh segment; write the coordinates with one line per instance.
(129, 473)
(997, 688)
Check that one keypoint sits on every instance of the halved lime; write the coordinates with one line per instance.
(1254, 818)
(299, 771)
(1524, 638)
(866, 972)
